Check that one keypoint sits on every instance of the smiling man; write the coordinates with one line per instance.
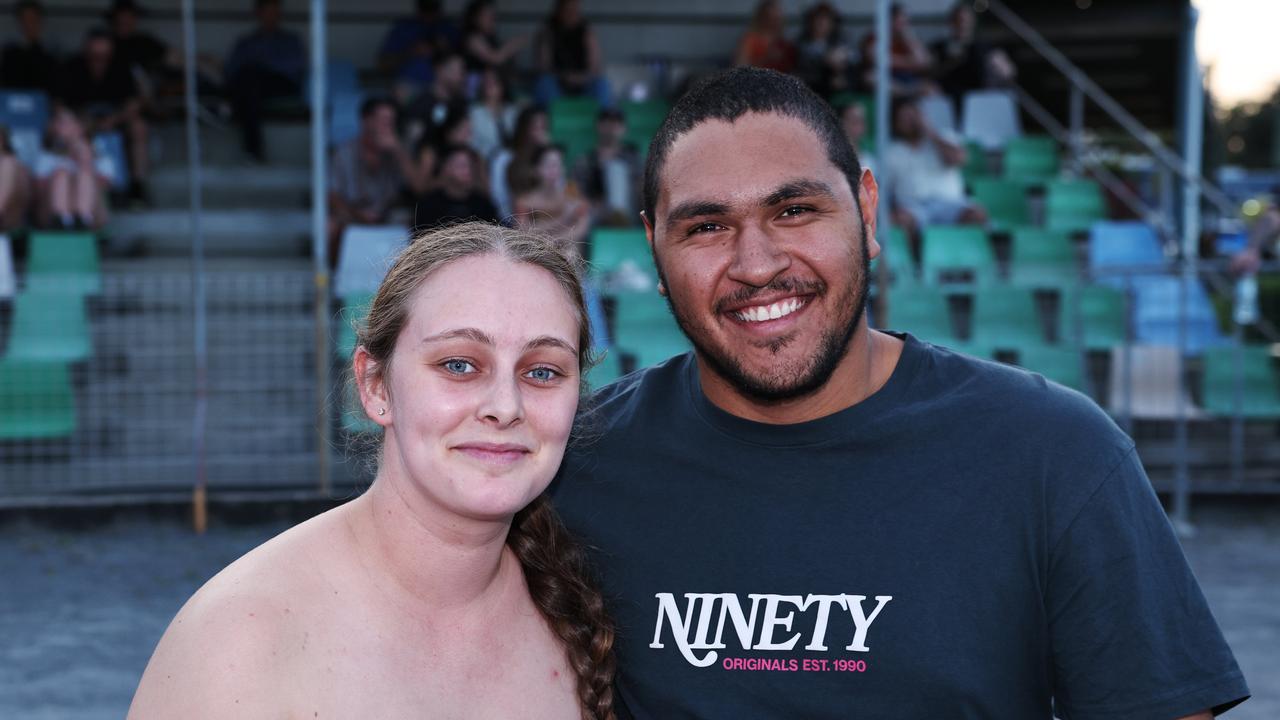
(807, 518)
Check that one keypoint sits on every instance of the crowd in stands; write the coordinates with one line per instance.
(455, 124)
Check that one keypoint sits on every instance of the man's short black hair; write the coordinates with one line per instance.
(371, 105)
(730, 94)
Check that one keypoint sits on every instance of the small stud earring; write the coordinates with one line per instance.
(662, 290)
(382, 411)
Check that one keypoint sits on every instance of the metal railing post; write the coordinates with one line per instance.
(200, 329)
(1077, 125)
(319, 238)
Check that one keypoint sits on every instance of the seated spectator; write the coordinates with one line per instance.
(853, 118)
(493, 116)
(924, 168)
(455, 130)
(71, 179)
(909, 60)
(28, 64)
(481, 46)
(15, 186)
(413, 44)
(610, 175)
(267, 63)
(823, 58)
(98, 86)
(961, 63)
(147, 56)
(368, 173)
(457, 195)
(569, 60)
(764, 44)
(446, 96)
(511, 172)
(552, 205)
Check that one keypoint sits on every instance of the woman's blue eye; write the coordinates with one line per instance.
(457, 367)
(543, 374)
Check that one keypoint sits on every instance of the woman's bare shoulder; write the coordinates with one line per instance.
(227, 651)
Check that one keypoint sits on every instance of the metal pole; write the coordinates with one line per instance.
(200, 493)
(319, 237)
(885, 180)
(1077, 127)
(1193, 140)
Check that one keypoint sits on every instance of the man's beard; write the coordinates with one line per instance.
(804, 381)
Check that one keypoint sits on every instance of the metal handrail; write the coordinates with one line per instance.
(1108, 179)
(1127, 121)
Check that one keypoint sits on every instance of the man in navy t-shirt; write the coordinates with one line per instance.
(806, 518)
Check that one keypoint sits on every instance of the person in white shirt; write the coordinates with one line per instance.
(924, 172)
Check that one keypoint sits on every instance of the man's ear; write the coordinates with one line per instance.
(371, 384)
(868, 202)
(648, 236)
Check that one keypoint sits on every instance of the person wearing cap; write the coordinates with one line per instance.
(609, 175)
(29, 64)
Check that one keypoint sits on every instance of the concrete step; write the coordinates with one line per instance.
(234, 187)
(286, 144)
(245, 233)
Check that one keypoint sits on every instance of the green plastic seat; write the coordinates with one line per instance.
(1042, 258)
(644, 328)
(65, 262)
(1073, 205)
(1005, 318)
(643, 120)
(1062, 365)
(1093, 317)
(922, 311)
(573, 125)
(610, 247)
(354, 309)
(1031, 159)
(1004, 200)
(641, 309)
(895, 250)
(49, 326)
(975, 163)
(1260, 383)
(36, 400)
(949, 249)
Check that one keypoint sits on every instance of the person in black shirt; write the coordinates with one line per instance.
(457, 196)
(961, 63)
(28, 64)
(569, 57)
(482, 47)
(143, 53)
(96, 84)
(269, 62)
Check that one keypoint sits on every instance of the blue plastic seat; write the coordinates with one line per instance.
(1157, 308)
(1114, 246)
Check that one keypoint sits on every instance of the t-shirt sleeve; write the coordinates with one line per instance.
(1132, 636)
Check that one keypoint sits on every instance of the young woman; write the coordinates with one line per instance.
(71, 179)
(449, 589)
(552, 204)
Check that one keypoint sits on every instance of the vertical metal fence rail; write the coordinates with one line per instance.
(1193, 140)
(197, 268)
(885, 180)
(319, 235)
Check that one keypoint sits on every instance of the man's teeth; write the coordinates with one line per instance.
(760, 313)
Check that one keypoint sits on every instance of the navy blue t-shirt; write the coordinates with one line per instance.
(970, 541)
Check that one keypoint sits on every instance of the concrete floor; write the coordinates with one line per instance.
(82, 607)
